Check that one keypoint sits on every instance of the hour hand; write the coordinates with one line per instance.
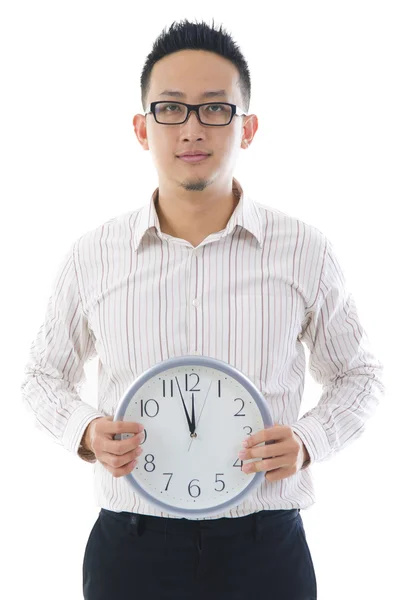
(193, 429)
(184, 406)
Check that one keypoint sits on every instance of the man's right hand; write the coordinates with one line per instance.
(117, 456)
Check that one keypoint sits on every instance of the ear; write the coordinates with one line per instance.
(250, 127)
(139, 123)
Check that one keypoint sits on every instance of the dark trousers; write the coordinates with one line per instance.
(263, 556)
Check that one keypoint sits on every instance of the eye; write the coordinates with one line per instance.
(222, 108)
(165, 107)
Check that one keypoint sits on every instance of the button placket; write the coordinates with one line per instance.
(195, 302)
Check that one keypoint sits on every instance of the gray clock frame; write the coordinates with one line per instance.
(202, 361)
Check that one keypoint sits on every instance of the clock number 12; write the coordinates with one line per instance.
(187, 389)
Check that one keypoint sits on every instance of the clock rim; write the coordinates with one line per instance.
(199, 360)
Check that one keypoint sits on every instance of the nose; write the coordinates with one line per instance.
(194, 113)
(192, 126)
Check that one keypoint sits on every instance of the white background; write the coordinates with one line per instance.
(324, 90)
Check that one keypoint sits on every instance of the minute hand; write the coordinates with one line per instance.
(193, 429)
(184, 406)
(200, 413)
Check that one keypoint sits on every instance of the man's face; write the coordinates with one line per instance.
(194, 72)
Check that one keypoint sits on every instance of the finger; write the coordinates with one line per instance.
(267, 464)
(120, 447)
(111, 426)
(275, 450)
(278, 474)
(268, 435)
(119, 461)
(123, 470)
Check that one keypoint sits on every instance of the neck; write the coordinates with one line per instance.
(195, 215)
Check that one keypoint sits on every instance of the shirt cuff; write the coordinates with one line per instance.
(75, 428)
(314, 437)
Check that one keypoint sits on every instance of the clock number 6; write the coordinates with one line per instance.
(190, 484)
(196, 486)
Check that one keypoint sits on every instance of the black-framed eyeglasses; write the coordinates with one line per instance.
(217, 114)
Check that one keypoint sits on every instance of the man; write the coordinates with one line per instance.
(202, 269)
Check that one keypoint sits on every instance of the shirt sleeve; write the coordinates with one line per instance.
(54, 372)
(342, 361)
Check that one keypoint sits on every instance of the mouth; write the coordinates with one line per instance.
(194, 158)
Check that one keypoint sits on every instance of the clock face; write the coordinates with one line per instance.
(189, 468)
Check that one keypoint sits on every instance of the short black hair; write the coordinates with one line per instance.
(197, 36)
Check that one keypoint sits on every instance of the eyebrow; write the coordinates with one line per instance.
(209, 94)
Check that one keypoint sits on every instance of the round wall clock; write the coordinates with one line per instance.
(196, 411)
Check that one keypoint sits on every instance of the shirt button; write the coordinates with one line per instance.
(196, 302)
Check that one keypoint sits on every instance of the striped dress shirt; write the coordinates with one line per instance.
(250, 295)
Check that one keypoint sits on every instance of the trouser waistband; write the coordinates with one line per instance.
(138, 522)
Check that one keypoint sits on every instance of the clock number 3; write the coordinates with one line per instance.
(238, 462)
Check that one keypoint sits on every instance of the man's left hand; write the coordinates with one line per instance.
(281, 459)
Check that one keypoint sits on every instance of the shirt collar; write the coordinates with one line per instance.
(245, 214)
